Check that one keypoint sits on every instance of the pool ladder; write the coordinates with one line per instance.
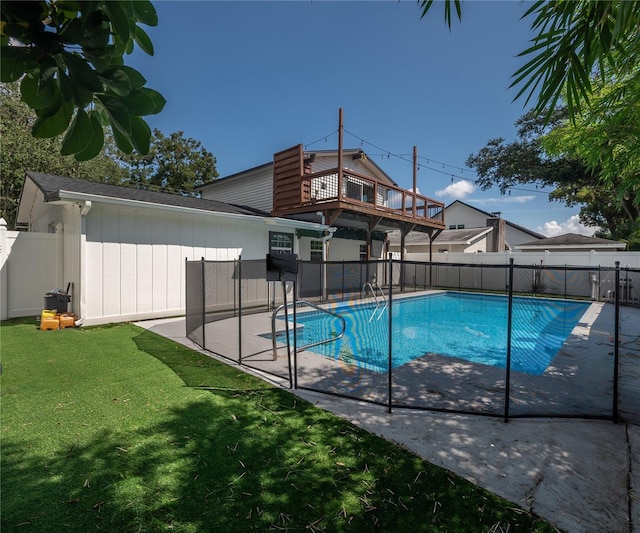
(305, 346)
(381, 302)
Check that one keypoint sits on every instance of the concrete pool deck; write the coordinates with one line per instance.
(580, 475)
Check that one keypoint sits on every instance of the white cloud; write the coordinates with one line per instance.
(503, 200)
(458, 190)
(571, 225)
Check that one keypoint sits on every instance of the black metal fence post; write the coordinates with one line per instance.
(390, 307)
(295, 337)
(509, 325)
(286, 330)
(240, 309)
(616, 344)
(204, 304)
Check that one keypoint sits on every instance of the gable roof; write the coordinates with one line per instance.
(572, 240)
(54, 189)
(492, 215)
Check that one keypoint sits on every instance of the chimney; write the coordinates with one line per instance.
(498, 234)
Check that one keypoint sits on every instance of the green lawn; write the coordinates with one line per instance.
(104, 429)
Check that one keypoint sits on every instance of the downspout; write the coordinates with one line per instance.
(328, 234)
(79, 292)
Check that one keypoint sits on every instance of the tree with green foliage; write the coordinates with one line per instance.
(173, 164)
(69, 59)
(606, 138)
(584, 59)
(21, 152)
(536, 158)
(574, 40)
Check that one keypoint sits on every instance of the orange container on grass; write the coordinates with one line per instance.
(49, 323)
(67, 320)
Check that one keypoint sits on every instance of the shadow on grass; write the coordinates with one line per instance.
(245, 456)
(194, 368)
(236, 462)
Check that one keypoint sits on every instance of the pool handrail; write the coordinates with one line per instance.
(305, 346)
(373, 293)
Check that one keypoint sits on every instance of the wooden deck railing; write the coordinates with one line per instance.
(357, 189)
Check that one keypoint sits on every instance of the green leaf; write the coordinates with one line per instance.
(81, 72)
(13, 63)
(145, 12)
(121, 21)
(140, 135)
(118, 114)
(143, 41)
(96, 143)
(48, 69)
(158, 100)
(66, 87)
(122, 140)
(50, 126)
(136, 79)
(117, 81)
(38, 97)
(100, 58)
(78, 136)
(73, 32)
(138, 103)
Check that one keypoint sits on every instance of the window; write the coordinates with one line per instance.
(316, 250)
(280, 243)
(363, 252)
(452, 226)
(460, 226)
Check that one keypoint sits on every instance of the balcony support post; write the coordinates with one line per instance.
(340, 134)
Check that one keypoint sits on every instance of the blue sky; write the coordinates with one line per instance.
(248, 79)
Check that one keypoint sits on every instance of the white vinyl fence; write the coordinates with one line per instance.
(31, 266)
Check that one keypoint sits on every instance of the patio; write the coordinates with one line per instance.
(583, 475)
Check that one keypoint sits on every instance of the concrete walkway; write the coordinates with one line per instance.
(580, 475)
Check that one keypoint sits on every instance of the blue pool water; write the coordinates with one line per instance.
(467, 326)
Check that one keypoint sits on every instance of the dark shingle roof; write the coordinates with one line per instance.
(51, 186)
(571, 239)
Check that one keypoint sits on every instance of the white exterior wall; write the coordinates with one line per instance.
(135, 258)
(254, 190)
(124, 262)
(344, 250)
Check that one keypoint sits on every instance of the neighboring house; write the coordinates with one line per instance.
(123, 250)
(470, 230)
(344, 189)
(505, 235)
(448, 240)
(571, 242)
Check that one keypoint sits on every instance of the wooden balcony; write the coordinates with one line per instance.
(347, 196)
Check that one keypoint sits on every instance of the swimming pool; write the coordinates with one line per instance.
(472, 327)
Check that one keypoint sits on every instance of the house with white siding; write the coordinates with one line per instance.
(342, 188)
(122, 251)
(468, 230)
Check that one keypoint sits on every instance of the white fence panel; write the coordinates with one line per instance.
(31, 266)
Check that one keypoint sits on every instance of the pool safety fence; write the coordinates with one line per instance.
(344, 328)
